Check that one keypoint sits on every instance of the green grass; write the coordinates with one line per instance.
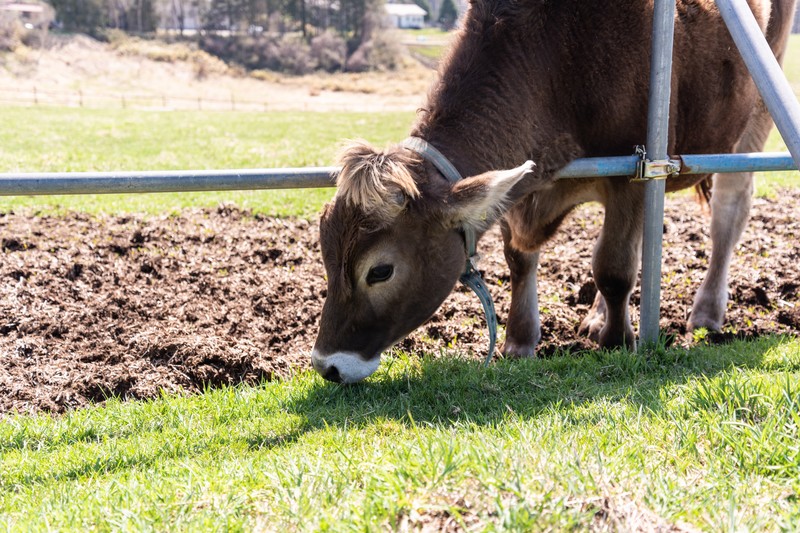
(708, 437)
(425, 33)
(428, 44)
(769, 183)
(431, 52)
(44, 139)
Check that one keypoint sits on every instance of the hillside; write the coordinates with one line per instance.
(76, 70)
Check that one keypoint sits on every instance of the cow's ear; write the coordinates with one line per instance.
(478, 201)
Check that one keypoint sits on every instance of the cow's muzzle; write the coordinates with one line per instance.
(343, 367)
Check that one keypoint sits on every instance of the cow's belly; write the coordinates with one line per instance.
(536, 218)
(678, 183)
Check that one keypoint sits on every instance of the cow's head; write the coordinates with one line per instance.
(393, 249)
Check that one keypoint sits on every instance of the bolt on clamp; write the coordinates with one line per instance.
(647, 170)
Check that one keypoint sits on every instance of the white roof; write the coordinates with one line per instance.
(404, 9)
(22, 8)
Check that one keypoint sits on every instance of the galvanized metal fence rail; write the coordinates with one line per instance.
(57, 183)
(653, 166)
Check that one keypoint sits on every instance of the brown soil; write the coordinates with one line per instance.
(129, 306)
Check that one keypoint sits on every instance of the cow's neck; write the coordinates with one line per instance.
(487, 109)
(480, 135)
(500, 97)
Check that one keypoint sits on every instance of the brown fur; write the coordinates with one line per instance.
(547, 81)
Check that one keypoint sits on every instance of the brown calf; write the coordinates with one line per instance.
(549, 82)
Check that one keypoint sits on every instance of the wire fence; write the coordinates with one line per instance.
(34, 96)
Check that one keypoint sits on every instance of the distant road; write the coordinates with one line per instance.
(426, 40)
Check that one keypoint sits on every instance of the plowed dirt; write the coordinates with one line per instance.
(94, 306)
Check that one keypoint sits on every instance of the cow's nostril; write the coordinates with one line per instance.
(332, 374)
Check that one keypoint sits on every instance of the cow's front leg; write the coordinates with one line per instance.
(615, 265)
(523, 329)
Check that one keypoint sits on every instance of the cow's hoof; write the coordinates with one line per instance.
(513, 350)
(708, 311)
(700, 320)
(592, 325)
(624, 338)
(703, 330)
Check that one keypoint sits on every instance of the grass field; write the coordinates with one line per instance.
(707, 438)
(45, 139)
(60, 139)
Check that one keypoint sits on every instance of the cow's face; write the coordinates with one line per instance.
(393, 250)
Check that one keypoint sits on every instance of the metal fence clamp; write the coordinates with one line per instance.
(659, 169)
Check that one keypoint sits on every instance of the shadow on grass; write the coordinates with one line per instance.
(452, 391)
(444, 392)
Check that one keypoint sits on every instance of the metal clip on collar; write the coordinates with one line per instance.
(471, 277)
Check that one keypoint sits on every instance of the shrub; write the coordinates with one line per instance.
(382, 52)
(287, 53)
(252, 52)
(154, 50)
(265, 75)
(205, 64)
(11, 31)
(329, 51)
(294, 55)
(36, 38)
(290, 53)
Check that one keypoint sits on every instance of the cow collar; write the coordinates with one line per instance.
(471, 277)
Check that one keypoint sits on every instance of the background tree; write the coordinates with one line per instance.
(448, 14)
(177, 13)
(257, 34)
(426, 6)
(85, 16)
(93, 16)
(142, 18)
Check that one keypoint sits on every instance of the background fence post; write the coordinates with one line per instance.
(657, 139)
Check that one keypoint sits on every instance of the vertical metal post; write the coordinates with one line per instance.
(657, 139)
(766, 72)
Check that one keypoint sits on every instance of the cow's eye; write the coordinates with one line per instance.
(379, 273)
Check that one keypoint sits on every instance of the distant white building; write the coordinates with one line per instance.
(406, 15)
(32, 14)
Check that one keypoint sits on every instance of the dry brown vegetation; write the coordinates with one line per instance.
(78, 70)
